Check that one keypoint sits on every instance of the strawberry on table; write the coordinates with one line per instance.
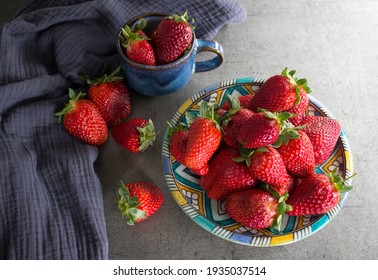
(203, 139)
(256, 208)
(317, 194)
(110, 95)
(279, 92)
(135, 135)
(172, 37)
(136, 44)
(225, 175)
(83, 120)
(139, 200)
(323, 133)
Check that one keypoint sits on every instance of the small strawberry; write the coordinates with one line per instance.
(256, 208)
(137, 45)
(172, 37)
(110, 95)
(298, 156)
(279, 93)
(298, 110)
(262, 129)
(323, 133)
(83, 120)
(225, 175)
(267, 165)
(138, 201)
(317, 194)
(231, 128)
(203, 139)
(135, 135)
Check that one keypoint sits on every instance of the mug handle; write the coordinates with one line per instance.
(209, 46)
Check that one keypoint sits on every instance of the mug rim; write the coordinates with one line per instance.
(152, 67)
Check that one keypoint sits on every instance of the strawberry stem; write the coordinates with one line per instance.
(105, 77)
(70, 105)
(147, 136)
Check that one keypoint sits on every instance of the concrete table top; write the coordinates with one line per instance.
(334, 44)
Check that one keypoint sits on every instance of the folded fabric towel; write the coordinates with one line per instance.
(50, 197)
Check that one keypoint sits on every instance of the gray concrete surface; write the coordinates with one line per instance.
(334, 44)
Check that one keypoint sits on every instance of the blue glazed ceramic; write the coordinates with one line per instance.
(165, 79)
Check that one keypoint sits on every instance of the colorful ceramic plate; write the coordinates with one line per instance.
(210, 214)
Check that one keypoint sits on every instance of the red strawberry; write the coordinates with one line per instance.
(298, 156)
(323, 133)
(225, 175)
(136, 44)
(266, 165)
(261, 129)
(279, 92)
(232, 127)
(110, 95)
(138, 201)
(299, 109)
(83, 120)
(317, 194)
(172, 37)
(256, 208)
(203, 139)
(135, 135)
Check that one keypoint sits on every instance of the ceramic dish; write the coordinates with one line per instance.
(210, 214)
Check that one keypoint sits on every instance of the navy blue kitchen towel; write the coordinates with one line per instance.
(50, 197)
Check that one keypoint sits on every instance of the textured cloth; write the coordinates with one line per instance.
(50, 196)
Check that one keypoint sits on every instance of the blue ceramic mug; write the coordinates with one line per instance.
(164, 79)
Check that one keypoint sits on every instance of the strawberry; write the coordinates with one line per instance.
(233, 126)
(279, 93)
(323, 133)
(317, 194)
(262, 129)
(298, 156)
(243, 100)
(135, 135)
(83, 120)
(178, 138)
(110, 95)
(138, 201)
(137, 45)
(267, 165)
(225, 175)
(172, 37)
(203, 139)
(256, 208)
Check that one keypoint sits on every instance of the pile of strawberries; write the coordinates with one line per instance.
(258, 153)
(166, 43)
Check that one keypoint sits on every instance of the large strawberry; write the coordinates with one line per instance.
(136, 44)
(138, 201)
(317, 194)
(172, 37)
(267, 165)
(225, 175)
(256, 208)
(203, 139)
(279, 92)
(323, 133)
(110, 95)
(298, 156)
(83, 120)
(135, 135)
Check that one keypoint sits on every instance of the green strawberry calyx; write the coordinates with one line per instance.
(70, 105)
(339, 182)
(287, 132)
(297, 83)
(246, 154)
(129, 35)
(234, 103)
(282, 206)
(128, 205)
(206, 110)
(147, 135)
(183, 18)
(106, 77)
(172, 129)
